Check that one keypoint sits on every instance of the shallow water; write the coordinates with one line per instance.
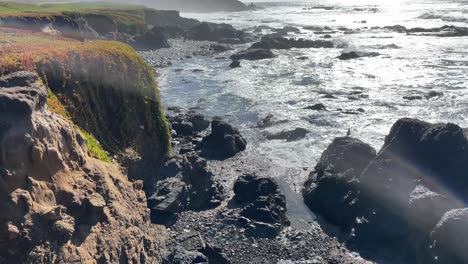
(284, 86)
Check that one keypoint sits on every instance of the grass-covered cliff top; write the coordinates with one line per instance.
(128, 18)
(17, 9)
(104, 86)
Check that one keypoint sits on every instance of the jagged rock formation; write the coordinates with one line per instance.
(398, 202)
(57, 204)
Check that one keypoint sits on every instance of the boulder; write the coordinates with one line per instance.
(292, 135)
(345, 154)
(224, 141)
(449, 238)
(235, 64)
(333, 189)
(185, 182)
(188, 124)
(265, 206)
(253, 54)
(355, 54)
(273, 42)
(167, 200)
(317, 107)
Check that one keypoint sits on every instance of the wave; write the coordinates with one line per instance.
(444, 17)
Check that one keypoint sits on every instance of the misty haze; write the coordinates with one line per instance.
(234, 132)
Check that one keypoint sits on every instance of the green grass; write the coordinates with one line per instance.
(94, 147)
(104, 87)
(18, 9)
(129, 19)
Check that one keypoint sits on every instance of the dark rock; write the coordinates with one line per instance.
(354, 55)
(413, 97)
(223, 33)
(265, 213)
(187, 124)
(248, 188)
(449, 238)
(183, 256)
(292, 135)
(333, 190)
(426, 208)
(219, 48)
(317, 107)
(444, 31)
(285, 43)
(168, 198)
(269, 121)
(151, 40)
(215, 254)
(303, 58)
(253, 54)
(185, 183)
(263, 230)
(343, 154)
(433, 94)
(235, 64)
(327, 36)
(224, 141)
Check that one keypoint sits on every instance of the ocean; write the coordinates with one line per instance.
(364, 95)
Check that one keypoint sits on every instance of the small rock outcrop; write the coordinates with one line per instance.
(225, 141)
(265, 212)
(185, 183)
(253, 54)
(58, 204)
(268, 42)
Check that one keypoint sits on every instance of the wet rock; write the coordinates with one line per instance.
(444, 31)
(235, 64)
(433, 94)
(354, 55)
(224, 141)
(292, 135)
(449, 238)
(317, 107)
(248, 188)
(253, 54)
(285, 43)
(412, 97)
(219, 48)
(269, 121)
(333, 189)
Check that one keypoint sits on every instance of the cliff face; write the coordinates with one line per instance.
(58, 204)
(103, 87)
